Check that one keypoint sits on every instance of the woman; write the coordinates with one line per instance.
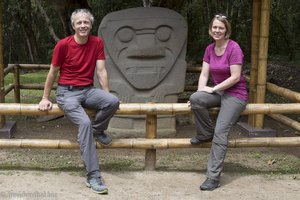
(223, 59)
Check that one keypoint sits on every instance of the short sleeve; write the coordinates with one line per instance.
(207, 54)
(58, 54)
(100, 50)
(236, 56)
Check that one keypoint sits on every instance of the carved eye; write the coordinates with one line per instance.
(163, 33)
(125, 34)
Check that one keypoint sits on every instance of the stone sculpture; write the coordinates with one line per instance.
(145, 54)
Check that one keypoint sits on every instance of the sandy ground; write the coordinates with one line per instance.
(145, 186)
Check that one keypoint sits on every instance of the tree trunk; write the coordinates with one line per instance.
(44, 14)
(23, 16)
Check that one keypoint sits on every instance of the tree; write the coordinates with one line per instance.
(22, 13)
(32, 27)
(64, 9)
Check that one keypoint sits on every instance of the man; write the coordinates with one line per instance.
(76, 58)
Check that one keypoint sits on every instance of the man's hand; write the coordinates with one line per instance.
(45, 104)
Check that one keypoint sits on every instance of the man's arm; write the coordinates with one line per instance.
(45, 103)
(102, 75)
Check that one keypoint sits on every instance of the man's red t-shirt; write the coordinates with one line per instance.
(77, 62)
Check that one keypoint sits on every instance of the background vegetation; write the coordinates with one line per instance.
(32, 27)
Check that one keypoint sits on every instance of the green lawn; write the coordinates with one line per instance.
(27, 95)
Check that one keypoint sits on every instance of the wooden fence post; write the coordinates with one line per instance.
(262, 59)
(151, 133)
(17, 84)
(256, 12)
(2, 88)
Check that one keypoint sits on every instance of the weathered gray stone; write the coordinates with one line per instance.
(145, 58)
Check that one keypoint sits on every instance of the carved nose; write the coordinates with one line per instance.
(146, 46)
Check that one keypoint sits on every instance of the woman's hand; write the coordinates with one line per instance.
(206, 89)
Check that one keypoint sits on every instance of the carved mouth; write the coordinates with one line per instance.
(149, 53)
(144, 70)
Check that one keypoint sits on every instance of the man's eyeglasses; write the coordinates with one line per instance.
(220, 16)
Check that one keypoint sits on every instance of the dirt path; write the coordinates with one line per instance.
(31, 185)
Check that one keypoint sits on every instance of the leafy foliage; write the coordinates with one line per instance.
(27, 38)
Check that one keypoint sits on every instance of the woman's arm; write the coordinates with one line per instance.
(235, 71)
(203, 79)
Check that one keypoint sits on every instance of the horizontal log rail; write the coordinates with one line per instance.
(284, 92)
(28, 86)
(286, 120)
(29, 66)
(190, 69)
(142, 143)
(151, 109)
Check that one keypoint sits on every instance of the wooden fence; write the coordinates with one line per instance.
(150, 143)
(151, 110)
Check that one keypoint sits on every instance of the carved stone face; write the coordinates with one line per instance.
(143, 43)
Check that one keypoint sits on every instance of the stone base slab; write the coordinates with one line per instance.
(135, 126)
(8, 130)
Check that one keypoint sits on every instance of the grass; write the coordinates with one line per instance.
(30, 77)
(27, 95)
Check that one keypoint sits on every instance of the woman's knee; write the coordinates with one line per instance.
(197, 99)
(194, 97)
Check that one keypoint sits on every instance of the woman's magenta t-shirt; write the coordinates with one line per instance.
(219, 67)
(77, 62)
